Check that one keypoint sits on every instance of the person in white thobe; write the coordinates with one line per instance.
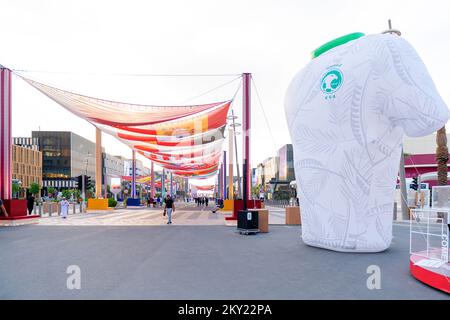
(64, 208)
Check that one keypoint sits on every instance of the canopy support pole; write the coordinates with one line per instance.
(98, 163)
(152, 183)
(225, 175)
(219, 182)
(163, 187)
(171, 184)
(246, 117)
(5, 134)
(133, 174)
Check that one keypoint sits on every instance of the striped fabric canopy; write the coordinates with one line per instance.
(186, 140)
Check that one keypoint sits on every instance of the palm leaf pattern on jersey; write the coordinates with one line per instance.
(380, 210)
(356, 185)
(315, 140)
(397, 62)
(356, 114)
(312, 178)
(428, 110)
(338, 114)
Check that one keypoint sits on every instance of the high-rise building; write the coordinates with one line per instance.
(286, 163)
(65, 155)
(271, 171)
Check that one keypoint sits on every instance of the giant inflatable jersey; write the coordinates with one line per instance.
(347, 112)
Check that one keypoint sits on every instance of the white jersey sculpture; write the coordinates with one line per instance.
(347, 112)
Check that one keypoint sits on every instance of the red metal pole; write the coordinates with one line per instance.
(246, 117)
(133, 174)
(152, 183)
(5, 134)
(224, 165)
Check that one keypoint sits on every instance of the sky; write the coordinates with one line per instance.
(97, 48)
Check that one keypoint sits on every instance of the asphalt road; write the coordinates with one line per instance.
(195, 262)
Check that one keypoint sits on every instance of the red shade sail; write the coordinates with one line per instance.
(187, 140)
(115, 113)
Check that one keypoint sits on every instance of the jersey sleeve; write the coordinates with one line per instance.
(416, 104)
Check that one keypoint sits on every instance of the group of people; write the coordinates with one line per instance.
(201, 201)
(156, 202)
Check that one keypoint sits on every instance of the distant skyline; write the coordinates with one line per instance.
(86, 42)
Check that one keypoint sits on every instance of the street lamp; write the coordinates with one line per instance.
(234, 125)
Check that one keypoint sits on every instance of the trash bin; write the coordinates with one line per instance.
(247, 221)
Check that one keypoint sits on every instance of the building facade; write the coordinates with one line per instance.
(26, 165)
(65, 155)
(128, 167)
(275, 173)
(146, 171)
(113, 167)
(26, 142)
(260, 175)
(271, 169)
(286, 163)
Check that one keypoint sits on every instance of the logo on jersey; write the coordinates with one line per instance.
(331, 82)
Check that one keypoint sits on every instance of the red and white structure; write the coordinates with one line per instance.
(16, 209)
(246, 118)
(5, 134)
(429, 247)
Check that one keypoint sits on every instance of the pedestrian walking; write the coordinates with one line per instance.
(64, 208)
(169, 208)
(30, 204)
(3, 209)
(149, 202)
(206, 201)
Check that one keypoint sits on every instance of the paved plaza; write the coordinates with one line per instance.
(198, 257)
(185, 214)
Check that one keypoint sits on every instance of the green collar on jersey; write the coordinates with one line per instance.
(336, 42)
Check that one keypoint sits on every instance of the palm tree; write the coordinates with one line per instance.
(441, 160)
(441, 156)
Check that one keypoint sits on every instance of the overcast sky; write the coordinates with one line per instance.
(91, 40)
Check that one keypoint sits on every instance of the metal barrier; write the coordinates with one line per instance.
(277, 203)
(38, 208)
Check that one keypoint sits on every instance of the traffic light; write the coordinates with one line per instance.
(88, 182)
(415, 184)
(79, 182)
